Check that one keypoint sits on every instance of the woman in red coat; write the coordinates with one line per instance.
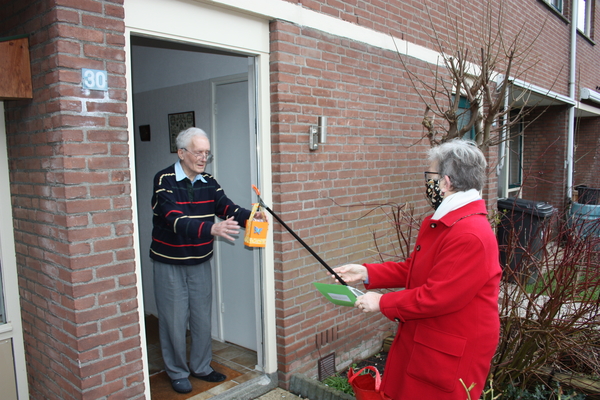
(448, 312)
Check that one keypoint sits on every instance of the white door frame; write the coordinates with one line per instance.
(201, 24)
(13, 329)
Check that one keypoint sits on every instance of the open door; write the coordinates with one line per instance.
(234, 137)
(170, 78)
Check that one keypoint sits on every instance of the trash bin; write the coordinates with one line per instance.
(587, 195)
(520, 233)
(584, 219)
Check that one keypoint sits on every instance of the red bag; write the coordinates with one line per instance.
(366, 387)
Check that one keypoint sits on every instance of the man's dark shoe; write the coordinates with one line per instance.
(182, 385)
(212, 377)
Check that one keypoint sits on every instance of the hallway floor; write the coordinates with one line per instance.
(229, 355)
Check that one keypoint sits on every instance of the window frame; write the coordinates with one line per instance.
(516, 136)
(556, 4)
(465, 114)
(586, 12)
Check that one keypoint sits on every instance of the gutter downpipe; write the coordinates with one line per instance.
(571, 127)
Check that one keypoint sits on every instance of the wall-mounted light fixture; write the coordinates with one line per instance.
(318, 133)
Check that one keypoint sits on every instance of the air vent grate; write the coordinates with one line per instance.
(326, 366)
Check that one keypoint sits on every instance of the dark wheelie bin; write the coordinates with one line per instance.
(520, 235)
(587, 195)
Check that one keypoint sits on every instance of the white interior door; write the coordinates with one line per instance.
(233, 144)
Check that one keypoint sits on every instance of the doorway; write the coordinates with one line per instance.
(215, 87)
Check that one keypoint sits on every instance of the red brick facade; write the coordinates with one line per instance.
(544, 168)
(587, 141)
(71, 192)
(372, 157)
(70, 184)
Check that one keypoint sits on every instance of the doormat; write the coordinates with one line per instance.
(160, 384)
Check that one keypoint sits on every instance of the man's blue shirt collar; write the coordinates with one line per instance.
(180, 175)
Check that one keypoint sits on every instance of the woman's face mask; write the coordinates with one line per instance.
(433, 192)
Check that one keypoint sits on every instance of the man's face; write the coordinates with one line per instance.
(195, 157)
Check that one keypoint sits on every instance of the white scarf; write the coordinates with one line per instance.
(456, 201)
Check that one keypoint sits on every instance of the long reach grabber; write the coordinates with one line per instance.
(307, 247)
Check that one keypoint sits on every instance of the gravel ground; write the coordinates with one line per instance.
(278, 394)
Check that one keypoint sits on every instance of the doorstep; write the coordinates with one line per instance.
(248, 390)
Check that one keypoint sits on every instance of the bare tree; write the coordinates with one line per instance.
(477, 61)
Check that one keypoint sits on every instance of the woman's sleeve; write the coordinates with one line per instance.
(461, 269)
(388, 274)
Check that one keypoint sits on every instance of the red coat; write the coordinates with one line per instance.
(448, 313)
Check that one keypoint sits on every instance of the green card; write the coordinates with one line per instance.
(338, 294)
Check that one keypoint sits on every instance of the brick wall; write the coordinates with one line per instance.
(413, 20)
(70, 186)
(323, 194)
(587, 159)
(545, 141)
(544, 65)
(588, 54)
(374, 155)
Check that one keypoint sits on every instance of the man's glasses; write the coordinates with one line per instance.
(206, 155)
(428, 176)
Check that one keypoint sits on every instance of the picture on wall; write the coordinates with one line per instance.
(177, 123)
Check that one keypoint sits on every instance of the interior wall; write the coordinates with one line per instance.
(155, 60)
(152, 108)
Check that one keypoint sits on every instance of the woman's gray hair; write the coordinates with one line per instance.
(185, 137)
(462, 161)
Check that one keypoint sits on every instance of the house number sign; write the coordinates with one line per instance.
(94, 79)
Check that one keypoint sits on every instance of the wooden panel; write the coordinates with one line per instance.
(15, 70)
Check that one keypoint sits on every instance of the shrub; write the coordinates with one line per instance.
(550, 325)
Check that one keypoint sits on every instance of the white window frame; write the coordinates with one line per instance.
(515, 157)
(584, 17)
(556, 4)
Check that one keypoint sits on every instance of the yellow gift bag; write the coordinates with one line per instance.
(256, 230)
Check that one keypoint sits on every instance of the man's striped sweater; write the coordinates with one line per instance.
(184, 215)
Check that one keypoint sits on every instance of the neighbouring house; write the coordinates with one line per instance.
(92, 93)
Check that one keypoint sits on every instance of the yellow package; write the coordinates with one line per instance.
(256, 231)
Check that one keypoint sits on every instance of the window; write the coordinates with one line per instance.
(515, 156)
(464, 116)
(557, 4)
(584, 16)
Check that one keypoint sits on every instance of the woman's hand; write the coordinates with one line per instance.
(369, 302)
(351, 273)
(225, 228)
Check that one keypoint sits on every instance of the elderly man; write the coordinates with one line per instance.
(185, 202)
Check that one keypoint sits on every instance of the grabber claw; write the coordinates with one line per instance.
(307, 247)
